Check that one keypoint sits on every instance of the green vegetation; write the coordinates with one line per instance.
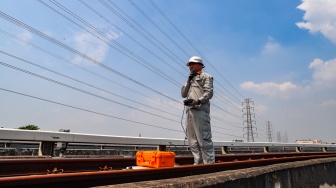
(29, 127)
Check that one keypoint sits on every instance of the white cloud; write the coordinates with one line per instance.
(26, 35)
(331, 103)
(324, 72)
(324, 76)
(315, 63)
(269, 88)
(260, 109)
(320, 16)
(271, 46)
(91, 46)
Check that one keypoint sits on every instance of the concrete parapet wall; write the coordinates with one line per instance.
(313, 173)
(79, 152)
(18, 152)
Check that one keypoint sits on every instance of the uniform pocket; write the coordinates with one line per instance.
(206, 127)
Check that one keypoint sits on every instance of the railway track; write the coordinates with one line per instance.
(88, 172)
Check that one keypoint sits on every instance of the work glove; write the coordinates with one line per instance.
(192, 74)
(191, 102)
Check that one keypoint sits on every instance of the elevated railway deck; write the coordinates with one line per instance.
(50, 170)
(77, 172)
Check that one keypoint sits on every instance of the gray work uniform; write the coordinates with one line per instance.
(198, 118)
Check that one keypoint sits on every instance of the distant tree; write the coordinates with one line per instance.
(29, 127)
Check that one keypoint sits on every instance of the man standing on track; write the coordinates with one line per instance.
(199, 90)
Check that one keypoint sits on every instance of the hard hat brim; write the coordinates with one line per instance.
(195, 62)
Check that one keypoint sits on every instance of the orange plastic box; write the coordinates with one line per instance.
(156, 159)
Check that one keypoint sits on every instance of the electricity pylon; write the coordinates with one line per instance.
(278, 137)
(249, 127)
(285, 138)
(269, 131)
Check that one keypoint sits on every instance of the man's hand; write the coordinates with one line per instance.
(192, 74)
(191, 102)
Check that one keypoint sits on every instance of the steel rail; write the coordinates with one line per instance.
(19, 167)
(88, 179)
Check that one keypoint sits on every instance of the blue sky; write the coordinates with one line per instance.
(116, 67)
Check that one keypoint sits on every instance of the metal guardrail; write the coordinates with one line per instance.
(48, 139)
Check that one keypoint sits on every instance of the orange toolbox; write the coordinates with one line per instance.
(156, 159)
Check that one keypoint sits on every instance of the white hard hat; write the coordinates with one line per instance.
(195, 59)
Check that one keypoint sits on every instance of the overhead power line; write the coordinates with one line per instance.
(89, 25)
(189, 42)
(198, 51)
(78, 66)
(66, 13)
(132, 38)
(142, 31)
(90, 111)
(159, 28)
(74, 64)
(64, 46)
(76, 80)
(83, 91)
(122, 49)
(236, 116)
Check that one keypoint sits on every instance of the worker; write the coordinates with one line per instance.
(198, 90)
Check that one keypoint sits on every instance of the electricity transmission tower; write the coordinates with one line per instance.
(269, 130)
(285, 138)
(278, 137)
(247, 109)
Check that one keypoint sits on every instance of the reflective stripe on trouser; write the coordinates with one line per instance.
(199, 136)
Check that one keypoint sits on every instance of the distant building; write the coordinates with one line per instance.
(308, 141)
